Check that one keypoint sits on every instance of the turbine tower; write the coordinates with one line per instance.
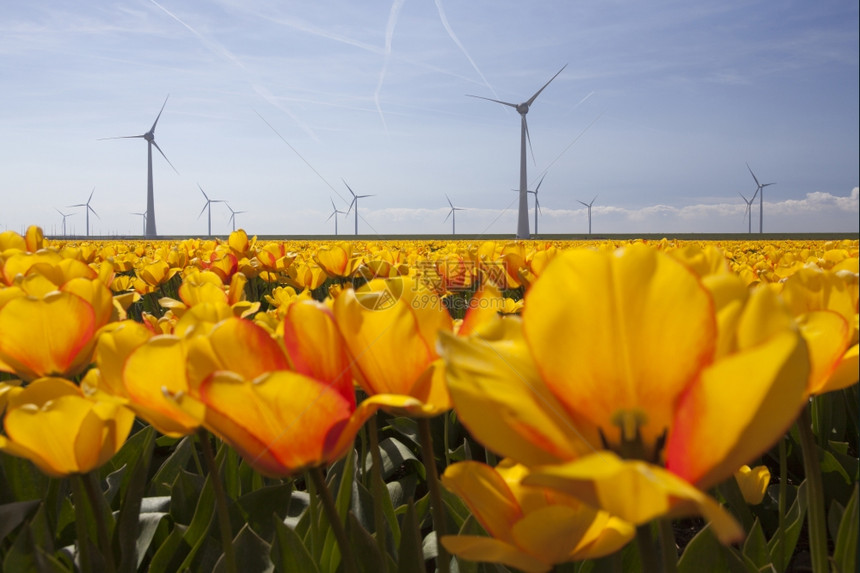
(208, 205)
(588, 206)
(537, 202)
(143, 216)
(88, 209)
(523, 109)
(64, 219)
(354, 203)
(149, 136)
(334, 213)
(760, 190)
(748, 210)
(452, 215)
(233, 214)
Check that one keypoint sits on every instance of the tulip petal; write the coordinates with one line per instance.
(280, 423)
(635, 329)
(827, 335)
(63, 323)
(488, 496)
(495, 372)
(762, 388)
(635, 491)
(553, 532)
(489, 550)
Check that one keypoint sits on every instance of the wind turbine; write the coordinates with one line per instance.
(208, 205)
(334, 213)
(537, 202)
(452, 215)
(588, 205)
(149, 136)
(523, 109)
(88, 208)
(233, 214)
(748, 210)
(354, 202)
(64, 219)
(760, 191)
(143, 215)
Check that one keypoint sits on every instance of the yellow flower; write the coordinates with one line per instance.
(55, 425)
(753, 483)
(532, 528)
(683, 379)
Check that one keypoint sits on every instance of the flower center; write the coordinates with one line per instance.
(630, 445)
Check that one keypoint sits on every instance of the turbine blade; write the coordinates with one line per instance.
(537, 204)
(91, 195)
(94, 211)
(593, 200)
(329, 217)
(582, 203)
(509, 104)
(529, 138)
(539, 184)
(164, 156)
(753, 175)
(537, 93)
(152, 129)
(122, 137)
(449, 200)
(742, 196)
(449, 215)
(348, 187)
(202, 191)
(202, 210)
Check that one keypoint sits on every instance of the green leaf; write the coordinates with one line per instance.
(14, 514)
(165, 477)
(148, 525)
(845, 551)
(184, 496)
(793, 523)
(394, 454)
(755, 546)
(364, 546)
(705, 554)
(26, 555)
(259, 506)
(411, 555)
(171, 553)
(252, 552)
(20, 480)
(288, 552)
(128, 521)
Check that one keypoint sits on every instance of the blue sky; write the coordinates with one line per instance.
(658, 110)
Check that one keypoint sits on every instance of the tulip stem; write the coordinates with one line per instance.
(647, 549)
(668, 547)
(97, 504)
(782, 503)
(429, 459)
(377, 488)
(84, 557)
(815, 491)
(220, 502)
(333, 519)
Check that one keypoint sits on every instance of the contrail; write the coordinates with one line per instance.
(460, 45)
(389, 35)
(581, 133)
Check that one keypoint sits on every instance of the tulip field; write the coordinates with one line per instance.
(243, 405)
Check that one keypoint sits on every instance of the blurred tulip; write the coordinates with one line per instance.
(532, 528)
(753, 483)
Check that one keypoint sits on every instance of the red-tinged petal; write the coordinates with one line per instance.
(63, 325)
(316, 348)
(113, 347)
(280, 423)
(636, 328)
(763, 387)
(245, 348)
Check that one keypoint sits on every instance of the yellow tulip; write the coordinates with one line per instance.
(532, 528)
(683, 379)
(60, 429)
(753, 483)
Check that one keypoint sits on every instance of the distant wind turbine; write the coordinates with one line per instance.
(523, 109)
(208, 206)
(334, 213)
(88, 209)
(233, 214)
(354, 203)
(588, 205)
(64, 219)
(760, 191)
(149, 136)
(143, 216)
(748, 211)
(453, 215)
(537, 202)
